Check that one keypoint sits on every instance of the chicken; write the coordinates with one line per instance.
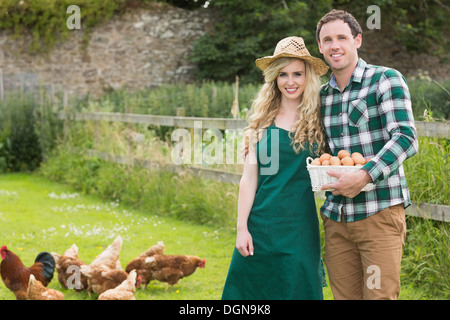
(105, 272)
(37, 291)
(124, 291)
(110, 257)
(171, 268)
(16, 275)
(68, 267)
(141, 267)
(101, 278)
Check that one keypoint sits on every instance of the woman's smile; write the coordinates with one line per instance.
(291, 90)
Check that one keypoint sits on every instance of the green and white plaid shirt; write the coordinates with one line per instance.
(372, 116)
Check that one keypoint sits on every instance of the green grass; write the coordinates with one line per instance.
(35, 217)
(428, 172)
(32, 222)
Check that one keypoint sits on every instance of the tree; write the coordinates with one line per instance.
(249, 29)
(246, 30)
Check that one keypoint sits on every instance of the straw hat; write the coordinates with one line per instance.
(293, 47)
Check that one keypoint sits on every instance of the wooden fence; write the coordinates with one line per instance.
(433, 129)
(430, 129)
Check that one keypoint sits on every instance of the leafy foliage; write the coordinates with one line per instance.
(430, 95)
(27, 131)
(251, 29)
(425, 267)
(20, 148)
(45, 21)
(428, 171)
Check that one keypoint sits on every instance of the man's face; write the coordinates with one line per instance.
(338, 46)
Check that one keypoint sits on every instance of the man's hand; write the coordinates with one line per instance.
(349, 184)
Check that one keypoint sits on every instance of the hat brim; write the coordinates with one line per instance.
(318, 65)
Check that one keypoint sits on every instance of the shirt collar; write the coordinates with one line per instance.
(357, 74)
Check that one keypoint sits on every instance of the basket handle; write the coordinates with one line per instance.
(310, 160)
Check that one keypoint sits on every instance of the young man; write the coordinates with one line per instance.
(365, 109)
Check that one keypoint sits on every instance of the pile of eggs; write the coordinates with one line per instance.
(343, 158)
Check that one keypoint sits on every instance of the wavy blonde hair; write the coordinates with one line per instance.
(308, 127)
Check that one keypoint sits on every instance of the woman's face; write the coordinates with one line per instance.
(291, 80)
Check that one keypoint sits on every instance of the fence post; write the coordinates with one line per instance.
(181, 112)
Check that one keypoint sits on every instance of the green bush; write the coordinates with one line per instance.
(248, 29)
(205, 99)
(428, 94)
(27, 131)
(20, 142)
(427, 172)
(426, 262)
(186, 197)
(5, 157)
(45, 21)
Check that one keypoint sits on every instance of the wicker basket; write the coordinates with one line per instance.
(319, 176)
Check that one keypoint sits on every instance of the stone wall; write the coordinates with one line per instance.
(140, 49)
(147, 48)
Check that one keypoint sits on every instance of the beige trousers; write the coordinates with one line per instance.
(363, 257)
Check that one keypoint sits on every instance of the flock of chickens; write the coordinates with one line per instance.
(104, 276)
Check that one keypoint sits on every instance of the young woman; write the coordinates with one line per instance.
(277, 254)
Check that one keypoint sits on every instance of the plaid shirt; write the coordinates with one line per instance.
(372, 116)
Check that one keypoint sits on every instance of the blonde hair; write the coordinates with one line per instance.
(308, 127)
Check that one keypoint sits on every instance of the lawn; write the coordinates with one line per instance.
(39, 215)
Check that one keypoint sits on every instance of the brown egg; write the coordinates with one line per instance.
(326, 162)
(334, 161)
(347, 161)
(315, 162)
(359, 159)
(356, 154)
(325, 156)
(343, 153)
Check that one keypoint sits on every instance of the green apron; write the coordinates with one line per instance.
(284, 226)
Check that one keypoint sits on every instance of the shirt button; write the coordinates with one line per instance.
(342, 134)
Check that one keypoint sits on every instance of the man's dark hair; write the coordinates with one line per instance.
(339, 15)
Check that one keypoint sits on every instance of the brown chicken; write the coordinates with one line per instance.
(37, 291)
(124, 291)
(172, 268)
(68, 267)
(110, 257)
(105, 272)
(101, 278)
(16, 275)
(141, 266)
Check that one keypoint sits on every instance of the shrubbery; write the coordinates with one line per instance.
(28, 131)
(185, 197)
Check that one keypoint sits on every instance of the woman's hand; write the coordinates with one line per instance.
(244, 243)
